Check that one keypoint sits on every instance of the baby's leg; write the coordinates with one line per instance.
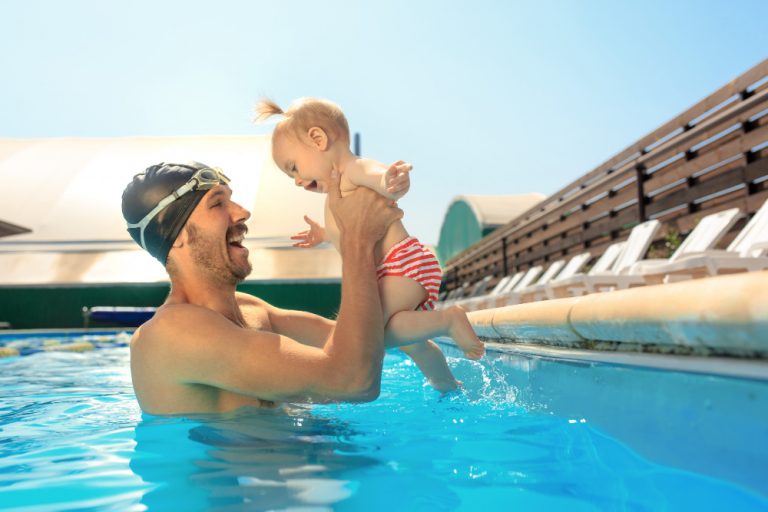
(452, 321)
(405, 325)
(398, 296)
(431, 361)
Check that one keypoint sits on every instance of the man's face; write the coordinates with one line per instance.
(215, 233)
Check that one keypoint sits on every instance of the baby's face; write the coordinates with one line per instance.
(307, 166)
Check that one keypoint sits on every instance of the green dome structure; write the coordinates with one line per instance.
(470, 217)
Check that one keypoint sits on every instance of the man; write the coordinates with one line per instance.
(209, 348)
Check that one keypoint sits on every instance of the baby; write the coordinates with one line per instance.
(307, 144)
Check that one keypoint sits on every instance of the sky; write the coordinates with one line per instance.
(482, 97)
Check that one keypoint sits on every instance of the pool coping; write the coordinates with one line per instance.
(722, 318)
(720, 366)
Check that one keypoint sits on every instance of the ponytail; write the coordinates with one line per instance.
(267, 108)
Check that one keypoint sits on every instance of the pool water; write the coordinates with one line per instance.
(73, 438)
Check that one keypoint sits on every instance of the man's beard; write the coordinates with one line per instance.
(206, 253)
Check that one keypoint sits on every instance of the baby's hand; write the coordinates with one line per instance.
(313, 236)
(397, 179)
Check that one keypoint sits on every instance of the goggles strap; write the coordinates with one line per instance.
(176, 194)
(194, 182)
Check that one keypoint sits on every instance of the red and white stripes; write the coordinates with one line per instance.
(409, 258)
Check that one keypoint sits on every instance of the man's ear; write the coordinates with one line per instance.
(181, 239)
(318, 138)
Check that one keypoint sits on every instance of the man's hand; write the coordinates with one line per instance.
(363, 215)
(311, 237)
(397, 179)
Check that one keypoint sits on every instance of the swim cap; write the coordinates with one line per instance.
(148, 189)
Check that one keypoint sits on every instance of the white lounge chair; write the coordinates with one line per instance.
(637, 244)
(513, 295)
(474, 290)
(703, 237)
(538, 291)
(487, 300)
(558, 287)
(452, 296)
(747, 252)
(480, 287)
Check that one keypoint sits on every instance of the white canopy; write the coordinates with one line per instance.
(68, 192)
(494, 211)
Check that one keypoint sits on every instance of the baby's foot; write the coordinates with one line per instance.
(462, 333)
(445, 386)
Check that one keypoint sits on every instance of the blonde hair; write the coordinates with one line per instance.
(303, 114)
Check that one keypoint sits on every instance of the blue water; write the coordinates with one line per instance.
(73, 438)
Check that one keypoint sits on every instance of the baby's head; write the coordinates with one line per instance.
(305, 143)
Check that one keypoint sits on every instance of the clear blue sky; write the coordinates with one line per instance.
(482, 97)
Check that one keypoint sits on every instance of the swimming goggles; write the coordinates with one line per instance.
(204, 179)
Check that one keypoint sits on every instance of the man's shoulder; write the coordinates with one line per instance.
(246, 300)
(171, 313)
(171, 319)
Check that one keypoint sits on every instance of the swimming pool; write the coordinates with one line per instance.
(526, 433)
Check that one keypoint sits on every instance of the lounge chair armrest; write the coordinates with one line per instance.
(761, 247)
(714, 253)
(642, 266)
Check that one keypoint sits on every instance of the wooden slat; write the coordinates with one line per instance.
(737, 143)
(721, 181)
(617, 224)
(718, 180)
(579, 218)
(664, 178)
(756, 170)
(623, 196)
(706, 129)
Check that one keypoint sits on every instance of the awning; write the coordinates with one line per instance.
(68, 192)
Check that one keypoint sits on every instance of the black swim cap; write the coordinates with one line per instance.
(144, 193)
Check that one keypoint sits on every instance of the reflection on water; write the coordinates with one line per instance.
(272, 458)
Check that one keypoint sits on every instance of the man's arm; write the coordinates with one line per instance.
(206, 348)
(302, 326)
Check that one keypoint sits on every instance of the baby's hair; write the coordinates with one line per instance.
(303, 114)
(267, 108)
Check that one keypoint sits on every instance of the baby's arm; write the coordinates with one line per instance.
(311, 237)
(392, 182)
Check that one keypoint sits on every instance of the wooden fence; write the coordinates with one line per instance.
(711, 157)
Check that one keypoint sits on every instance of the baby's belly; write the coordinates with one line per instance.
(394, 234)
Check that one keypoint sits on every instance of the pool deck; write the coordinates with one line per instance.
(724, 316)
